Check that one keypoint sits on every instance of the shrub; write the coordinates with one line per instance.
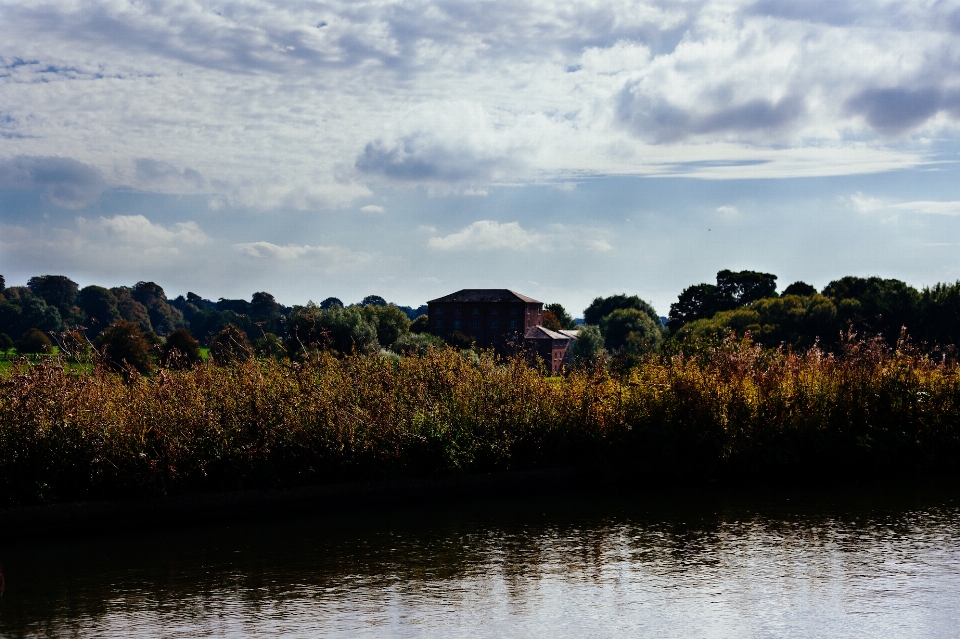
(420, 325)
(34, 341)
(6, 342)
(230, 346)
(269, 346)
(459, 340)
(123, 346)
(180, 350)
(588, 348)
(416, 343)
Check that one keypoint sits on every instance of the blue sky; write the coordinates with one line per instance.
(409, 149)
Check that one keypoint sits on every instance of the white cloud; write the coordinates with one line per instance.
(330, 258)
(373, 208)
(485, 235)
(727, 211)
(136, 229)
(930, 208)
(867, 204)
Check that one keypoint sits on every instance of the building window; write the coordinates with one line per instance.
(456, 323)
(438, 311)
(476, 311)
(456, 310)
(476, 323)
(513, 323)
(494, 310)
(493, 324)
(539, 311)
(528, 323)
(513, 310)
(438, 323)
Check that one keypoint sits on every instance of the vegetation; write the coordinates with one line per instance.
(34, 341)
(734, 410)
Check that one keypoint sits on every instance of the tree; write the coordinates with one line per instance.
(389, 321)
(732, 290)
(563, 317)
(373, 300)
(21, 311)
(180, 350)
(3, 284)
(164, 318)
(123, 346)
(874, 305)
(800, 288)
(331, 302)
(100, 307)
(6, 342)
(603, 306)
(343, 330)
(550, 321)
(58, 291)
(420, 325)
(229, 346)
(631, 330)
(130, 309)
(240, 307)
(739, 288)
(264, 304)
(588, 347)
(416, 343)
(34, 341)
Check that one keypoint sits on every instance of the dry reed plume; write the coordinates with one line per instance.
(737, 410)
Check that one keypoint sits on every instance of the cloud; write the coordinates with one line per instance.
(65, 182)
(373, 208)
(655, 119)
(486, 235)
(136, 229)
(329, 258)
(895, 110)
(866, 204)
(727, 211)
(159, 174)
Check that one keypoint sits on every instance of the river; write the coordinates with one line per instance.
(852, 561)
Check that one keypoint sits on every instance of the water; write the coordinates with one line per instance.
(853, 562)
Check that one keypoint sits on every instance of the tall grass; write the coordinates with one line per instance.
(737, 410)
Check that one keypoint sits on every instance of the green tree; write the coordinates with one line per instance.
(264, 305)
(417, 343)
(800, 288)
(343, 330)
(229, 346)
(420, 325)
(124, 346)
(180, 350)
(22, 310)
(331, 302)
(550, 321)
(34, 341)
(164, 318)
(732, 290)
(389, 321)
(631, 330)
(373, 300)
(603, 306)
(100, 307)
(58, 291)
(563, 317)
(131, 310)
(6, 343)
(588, 347)
(875, 306)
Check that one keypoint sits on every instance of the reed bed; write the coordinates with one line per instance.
(736, 410)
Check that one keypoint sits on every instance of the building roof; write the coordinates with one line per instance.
(495, 295)
(539, 332)
(570, 333)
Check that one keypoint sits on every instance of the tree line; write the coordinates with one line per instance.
(141, 319)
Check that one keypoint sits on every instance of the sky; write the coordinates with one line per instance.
(409, 149)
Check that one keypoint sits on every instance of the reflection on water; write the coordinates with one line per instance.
(853, 563)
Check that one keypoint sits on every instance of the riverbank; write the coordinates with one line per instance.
(68, 519)
(736, 412)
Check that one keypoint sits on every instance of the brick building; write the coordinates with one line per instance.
(501, 319)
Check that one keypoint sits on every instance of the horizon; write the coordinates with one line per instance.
(566, 152)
